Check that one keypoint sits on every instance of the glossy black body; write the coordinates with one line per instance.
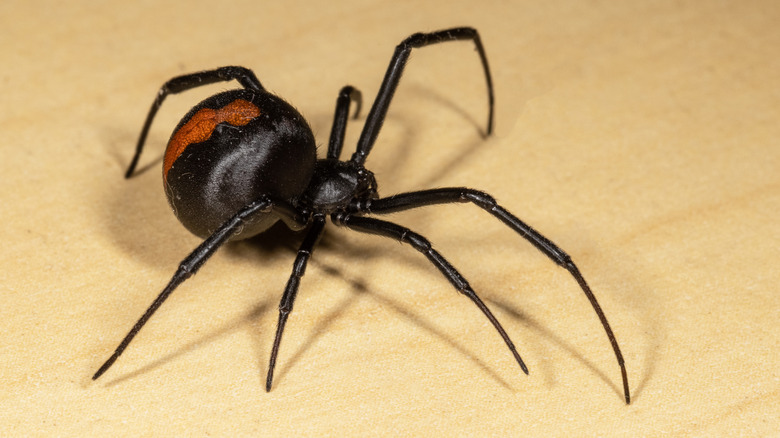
(235, 178)
(338, 184)
(272, 155)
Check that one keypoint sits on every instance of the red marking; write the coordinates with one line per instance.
(203, 123)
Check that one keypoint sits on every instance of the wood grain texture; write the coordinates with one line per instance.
(641, 137)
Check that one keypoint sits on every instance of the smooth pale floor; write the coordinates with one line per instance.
(642, 137)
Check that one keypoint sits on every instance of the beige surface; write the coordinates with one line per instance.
(641, 137)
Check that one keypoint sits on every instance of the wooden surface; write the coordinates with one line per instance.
(642, 137)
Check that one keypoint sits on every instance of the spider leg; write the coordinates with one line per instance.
(291, 290)
(186, 82)
(421, 244)
(376, 116)
(188, 267)
(347, 95)
(410, 200)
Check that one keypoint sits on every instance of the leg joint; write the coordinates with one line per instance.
(417, 241)
(481, 199)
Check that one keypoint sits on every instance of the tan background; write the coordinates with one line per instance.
(640, 136)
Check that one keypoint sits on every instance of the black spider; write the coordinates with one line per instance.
(243, 159)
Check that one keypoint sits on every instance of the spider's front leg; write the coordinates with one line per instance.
(190, 266)
(421, 244)
(347, 96)
(376, 116)
(291, 290)
(406, 201)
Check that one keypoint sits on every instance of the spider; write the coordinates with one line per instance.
(244, 159)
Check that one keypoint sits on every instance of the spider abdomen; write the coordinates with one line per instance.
(231, 149)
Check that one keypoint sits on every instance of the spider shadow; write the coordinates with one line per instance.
(464, 151)
(266, 246)
(646, 304)
(402, 155)
(133, 213)
(281, 239)
(570, 349)
(237, 323)
(359, 289)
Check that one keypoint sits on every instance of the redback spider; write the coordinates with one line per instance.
(244, 159)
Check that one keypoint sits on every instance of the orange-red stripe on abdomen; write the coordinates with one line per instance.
(202, 124)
